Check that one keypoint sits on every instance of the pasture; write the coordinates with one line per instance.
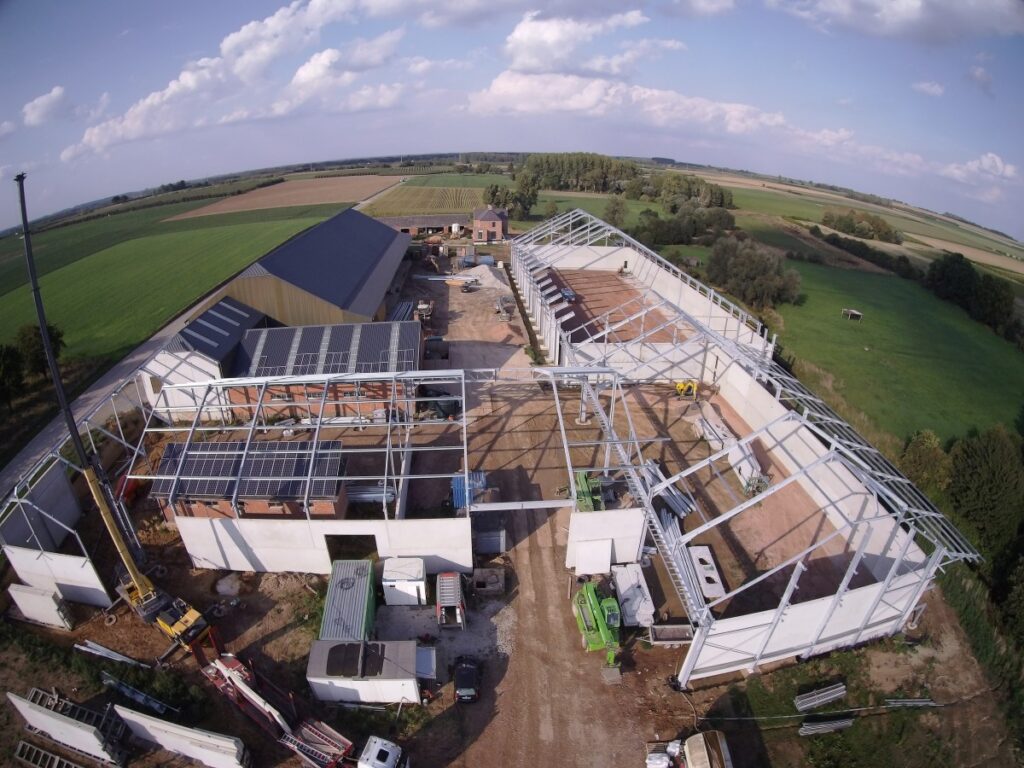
(410, 200)
(914, 361)
(114, 298)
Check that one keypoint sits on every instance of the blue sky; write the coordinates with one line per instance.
(915, 99)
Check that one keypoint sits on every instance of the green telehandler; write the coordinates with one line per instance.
(598, 619)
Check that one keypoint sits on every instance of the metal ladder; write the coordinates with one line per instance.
(304, 750)
(672, 566)
(30, 754)
(448, 591)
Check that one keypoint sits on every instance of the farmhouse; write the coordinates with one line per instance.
(490, 224)
(338, 271)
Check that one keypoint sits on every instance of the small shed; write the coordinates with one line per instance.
(852, 314)
(349, 607)
(405, 581)
(42, 606)
(369, 672)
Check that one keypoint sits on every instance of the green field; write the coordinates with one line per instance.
(111, 299)
(471, 180)
(913, 362)
(593, 204)
(409, 201)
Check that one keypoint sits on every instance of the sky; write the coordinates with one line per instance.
(920, 100)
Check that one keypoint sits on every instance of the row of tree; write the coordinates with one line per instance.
(987, 298)
(899, 264)
(979, 482)
(751, 273)
(862, 224)
(579, 171)
(518, 199)
(673, 189)
(689, 223)
(25, 357)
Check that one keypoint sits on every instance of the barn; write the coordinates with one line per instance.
(336, 272)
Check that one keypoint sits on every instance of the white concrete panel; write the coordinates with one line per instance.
(208, 748)
(370, 691)
(594, 556)
(624, 527)
(52, 493)
(60, 728)
(168, 368)
(74, 578)
(300, 546)
(40, 605)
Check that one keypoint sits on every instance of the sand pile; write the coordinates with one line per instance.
(489, 277)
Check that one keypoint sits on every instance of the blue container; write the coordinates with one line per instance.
(477, 483)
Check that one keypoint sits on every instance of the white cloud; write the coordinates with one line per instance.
(6, 128)
(928, 88)
(44, 108)
(369, 54)
(244, 56)
(420, 65)
(702, 7)
(988, 168)
(548, 44)
(369, 97)
(545, 93)
(632, 52)
(981, 77)
(933, 20)
(95, 112)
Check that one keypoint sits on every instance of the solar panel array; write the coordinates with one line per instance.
(329, 349)
(274, 470)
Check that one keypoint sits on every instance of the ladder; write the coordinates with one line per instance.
(673, 566)
(310, 753)
(30, 754)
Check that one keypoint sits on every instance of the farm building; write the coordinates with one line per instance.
(784, 534)
(780, 532)
(428, 224)
(338, 271)
(265, 351)
(490, 224)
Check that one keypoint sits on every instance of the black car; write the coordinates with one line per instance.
(447, 407)
(468, 679)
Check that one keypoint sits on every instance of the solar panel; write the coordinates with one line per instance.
(274, 470)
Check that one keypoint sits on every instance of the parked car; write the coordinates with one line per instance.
(443, 409)
(468, 679)
(569, 295)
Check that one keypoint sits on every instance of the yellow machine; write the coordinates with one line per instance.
(687, 389)
(182, 623)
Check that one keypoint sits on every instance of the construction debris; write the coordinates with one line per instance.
(99, 650)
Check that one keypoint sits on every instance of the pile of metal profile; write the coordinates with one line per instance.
(819, 698)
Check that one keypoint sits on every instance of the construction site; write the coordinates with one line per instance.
(314, 522)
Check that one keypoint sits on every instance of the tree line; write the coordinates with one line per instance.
(25, 356)
(672, 189)
(579, 171)
(862, 224)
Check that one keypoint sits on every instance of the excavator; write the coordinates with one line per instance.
(175, 618)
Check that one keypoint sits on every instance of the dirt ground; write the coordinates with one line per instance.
(335, 189)
(601, 293)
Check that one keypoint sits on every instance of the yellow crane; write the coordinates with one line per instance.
(178, 620)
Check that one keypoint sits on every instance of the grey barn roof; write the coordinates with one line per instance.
(317, 349)
(383, 660)
(269, 472)
(490, 214)
(217, 331)
(426, 220)
(348, 260)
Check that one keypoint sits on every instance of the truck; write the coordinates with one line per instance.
(381, 753)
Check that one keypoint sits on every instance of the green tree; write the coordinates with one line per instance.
(11, 374)
(550, 209)
(987, 494)
(752, 274)
(924, 462)
(615, 211)
(30, 344)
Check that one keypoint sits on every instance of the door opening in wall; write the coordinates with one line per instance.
(351, 547)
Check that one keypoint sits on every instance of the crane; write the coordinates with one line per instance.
(178, 620)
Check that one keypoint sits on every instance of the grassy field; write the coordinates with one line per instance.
(591, 203)
(110, 300)
(471, 180)
(406, 201)
(914, 362)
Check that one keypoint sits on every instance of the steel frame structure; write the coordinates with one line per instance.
(904, 507)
